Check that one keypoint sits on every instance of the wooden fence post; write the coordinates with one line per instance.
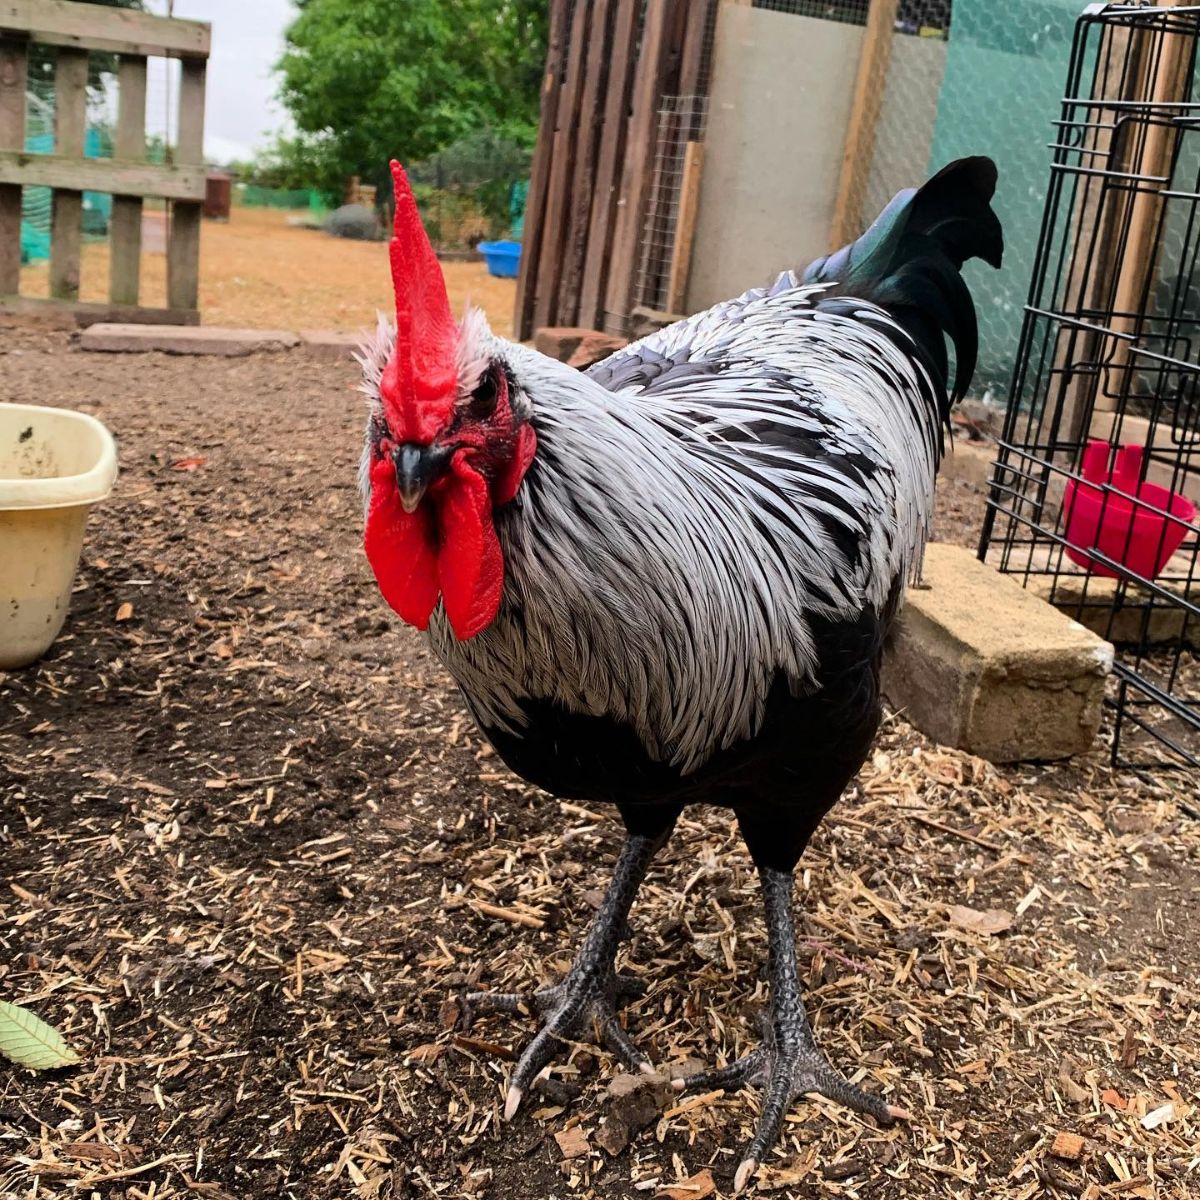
(183, 246)
(12, 137)
(864, 118)
(126, 230)
(70, 123)
(556, 216)
(685, 227)
(535, 202)
(608, 165)
(639, 152)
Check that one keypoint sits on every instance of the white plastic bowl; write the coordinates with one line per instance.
(54, 465)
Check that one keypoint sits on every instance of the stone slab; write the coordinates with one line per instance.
(185, 339)
(978, 663)
(329, 345)
(1133, 617)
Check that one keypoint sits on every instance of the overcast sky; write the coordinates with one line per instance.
(247, 37)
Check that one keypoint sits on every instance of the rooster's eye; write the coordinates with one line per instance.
(484, 397)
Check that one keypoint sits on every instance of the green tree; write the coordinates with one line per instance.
(368, 80)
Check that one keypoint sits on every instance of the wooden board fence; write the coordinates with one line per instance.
(607, 75)
(76, 29)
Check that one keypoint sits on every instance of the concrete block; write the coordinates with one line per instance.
(1138, 616)
(979, 663)
(330, 346)
(185, 339)
(575, 345)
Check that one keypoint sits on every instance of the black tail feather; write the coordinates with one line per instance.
(909, 261)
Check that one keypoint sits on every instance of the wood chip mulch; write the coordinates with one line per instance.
(253, 849)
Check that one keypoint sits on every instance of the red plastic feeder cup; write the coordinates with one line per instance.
(1142, 536)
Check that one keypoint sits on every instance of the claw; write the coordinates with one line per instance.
(619, 1042)
(586, 999)
(745, 1170)
(570, 1012)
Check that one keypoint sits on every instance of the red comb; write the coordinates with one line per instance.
(418, 382)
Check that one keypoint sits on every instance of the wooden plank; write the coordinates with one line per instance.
(93, 27)
(1099, 214)
(66, 221)
(12, 137)
(621, 53)
(685, 226)
(125, 229)
(1166, 84)
(864, 119)
(84, 313)
(671, 134)
(693, 75)
(545, 300)
(586, 149)
(102, 175)
(183, 242)
(535, 204)
(639, 151)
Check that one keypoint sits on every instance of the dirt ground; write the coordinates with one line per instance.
(259, 270)
(252, 845)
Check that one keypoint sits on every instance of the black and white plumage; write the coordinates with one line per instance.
(702, 563)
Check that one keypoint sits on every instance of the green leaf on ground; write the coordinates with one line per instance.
(30, 1042)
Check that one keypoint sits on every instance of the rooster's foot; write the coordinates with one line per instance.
(786, 1066)
(789, 1063)
(583, 1007)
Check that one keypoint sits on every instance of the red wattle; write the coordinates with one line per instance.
(401, 548)
(470, 563)
(505, 487)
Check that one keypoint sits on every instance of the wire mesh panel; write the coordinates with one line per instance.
(680, 132)
(852, 12)
(1003, 77)
(911, 86)
(1093, 498)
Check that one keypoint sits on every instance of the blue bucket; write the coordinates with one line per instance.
(503, 258)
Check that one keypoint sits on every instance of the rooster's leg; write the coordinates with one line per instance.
(788, 1064)
(585, 1002)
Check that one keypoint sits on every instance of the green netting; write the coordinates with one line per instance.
(516, 207)
(1005, 72)
(36, 201)
(264, 197)
(318, 207)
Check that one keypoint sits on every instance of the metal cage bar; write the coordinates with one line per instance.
(1093, 495)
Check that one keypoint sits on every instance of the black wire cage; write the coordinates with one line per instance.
(1094, 493)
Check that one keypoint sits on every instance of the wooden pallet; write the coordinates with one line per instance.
(75, 29)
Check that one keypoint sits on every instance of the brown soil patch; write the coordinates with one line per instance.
(257, 271)
(252, 843)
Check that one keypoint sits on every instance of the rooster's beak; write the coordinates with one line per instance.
(416, 468)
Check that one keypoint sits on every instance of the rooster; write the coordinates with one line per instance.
(668, 580)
